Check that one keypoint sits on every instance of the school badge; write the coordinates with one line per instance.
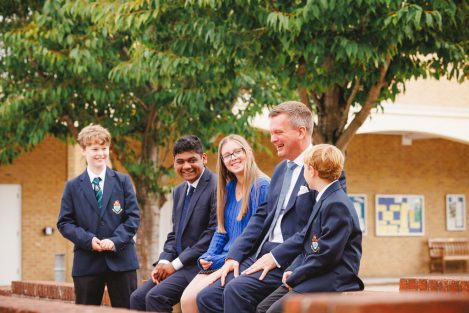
(116, 207)
(315, 244)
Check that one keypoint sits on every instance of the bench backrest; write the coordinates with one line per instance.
(438, 247)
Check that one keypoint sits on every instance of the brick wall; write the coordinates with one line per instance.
(41, 174)
(378, 164)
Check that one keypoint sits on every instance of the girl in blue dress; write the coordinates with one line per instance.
(242, 187)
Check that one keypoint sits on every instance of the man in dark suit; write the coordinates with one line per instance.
(285, 213)
(194, 221)
(100, 215)
(329, 248)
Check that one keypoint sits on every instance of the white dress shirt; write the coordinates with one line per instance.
(299, 161)
(101, 175)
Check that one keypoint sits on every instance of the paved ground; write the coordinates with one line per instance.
(382, 284)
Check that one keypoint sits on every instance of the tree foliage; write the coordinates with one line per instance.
(147, 77)
(340, 54)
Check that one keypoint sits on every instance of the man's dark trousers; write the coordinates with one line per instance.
(244, 286)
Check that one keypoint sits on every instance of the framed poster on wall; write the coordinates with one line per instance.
(455, 212)
(359, 202)
(399, 215)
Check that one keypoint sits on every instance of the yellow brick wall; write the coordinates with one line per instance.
(378, 164)
(41, 174)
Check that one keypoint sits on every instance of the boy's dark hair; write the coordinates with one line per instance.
(188, 143)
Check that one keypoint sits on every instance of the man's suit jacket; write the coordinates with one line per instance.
(80, 220)
(329, 247)
(199, 224)
(296, 215)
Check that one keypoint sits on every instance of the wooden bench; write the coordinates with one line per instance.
(442, 250)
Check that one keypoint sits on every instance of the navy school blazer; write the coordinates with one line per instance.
(328, 250)
(296, 215)
(80, 220)
(200, 222)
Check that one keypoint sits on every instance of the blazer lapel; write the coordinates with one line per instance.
(179, 198)
(109, 183)
(277, 187)
(332, 188)
(299, 182)
(87, 190)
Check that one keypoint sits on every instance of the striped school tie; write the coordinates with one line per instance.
(98, 192)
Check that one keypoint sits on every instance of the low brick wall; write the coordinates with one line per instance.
(49, 290)
(454, 284)
(26, 305)
(378, 302)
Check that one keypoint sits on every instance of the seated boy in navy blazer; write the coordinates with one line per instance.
(329, 247)
(194, 222)
(100, 215)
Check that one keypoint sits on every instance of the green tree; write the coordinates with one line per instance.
(150, 70)
(136, 68)
(344, 54)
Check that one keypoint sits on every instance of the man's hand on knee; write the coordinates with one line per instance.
(229, 266)
(265, 264)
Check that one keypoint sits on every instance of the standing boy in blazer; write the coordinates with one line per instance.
(285, 213)
(194, 221)
(100, 215)
(329, 248)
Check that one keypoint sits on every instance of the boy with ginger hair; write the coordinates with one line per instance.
(100, 215)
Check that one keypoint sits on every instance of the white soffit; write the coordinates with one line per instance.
(414, 121)
(427, 121)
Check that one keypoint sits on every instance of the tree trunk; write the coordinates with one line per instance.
(332, 113)
(333, 110)
(148, 232)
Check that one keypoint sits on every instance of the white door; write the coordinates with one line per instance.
(10, 233)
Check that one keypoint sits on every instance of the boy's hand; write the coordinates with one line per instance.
(266, 263)
(96, 244)
(285, 277)
(205, 264)
(154, 275)
(107, 245)
(162, 271)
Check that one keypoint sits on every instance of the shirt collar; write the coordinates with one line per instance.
(194, 184)
(322, 191)
(300, 159)
(92, 175)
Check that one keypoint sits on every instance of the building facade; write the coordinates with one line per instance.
(387, 157)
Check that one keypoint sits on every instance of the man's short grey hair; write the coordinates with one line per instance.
(298, 114)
